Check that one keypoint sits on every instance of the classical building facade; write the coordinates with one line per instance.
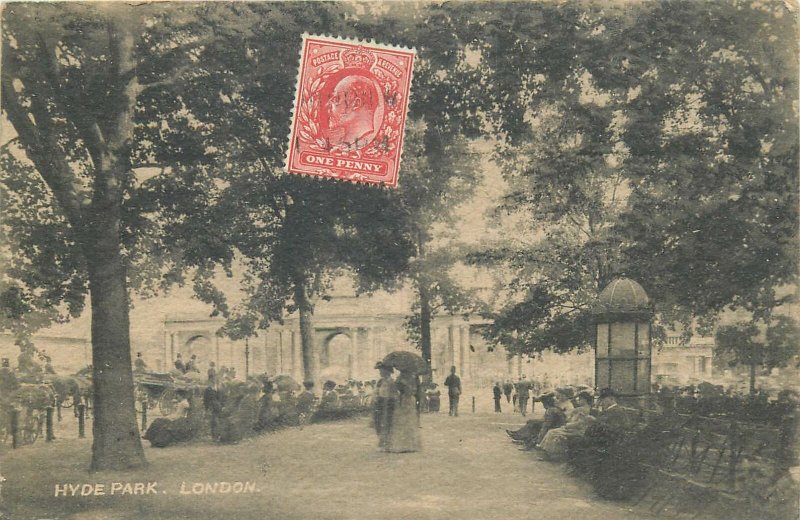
(680, 362)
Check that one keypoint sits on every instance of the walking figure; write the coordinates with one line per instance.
(523, 393)
(498, 394)
(507, 389)
(453, 384)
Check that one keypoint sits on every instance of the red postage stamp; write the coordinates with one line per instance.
(350, 110)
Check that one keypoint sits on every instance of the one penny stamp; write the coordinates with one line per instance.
(350, 110)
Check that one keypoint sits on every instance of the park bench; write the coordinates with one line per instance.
(716, 462)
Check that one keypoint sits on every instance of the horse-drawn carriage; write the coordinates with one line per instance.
(163, 390)
(26, 406)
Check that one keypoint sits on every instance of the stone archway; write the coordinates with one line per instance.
(336, 355)
(201, 346)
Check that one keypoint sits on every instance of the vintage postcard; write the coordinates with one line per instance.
(577, 296)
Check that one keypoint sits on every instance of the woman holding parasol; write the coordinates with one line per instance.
(383, 404)
(404, 435)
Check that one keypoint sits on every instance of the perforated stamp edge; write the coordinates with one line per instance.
(366, 42)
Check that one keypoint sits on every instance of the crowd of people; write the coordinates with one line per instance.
(568, 414)
(519, 393)
(228, 410)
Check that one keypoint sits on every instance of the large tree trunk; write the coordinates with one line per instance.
(425, 317)
(116, 443)
(425, 312)
(306, 310)
(106, 135)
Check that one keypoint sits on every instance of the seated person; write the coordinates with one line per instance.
(330, 397)
(535, 429)
(268, 408)
(611, 414)
(306, 399)
(179, 366)
(554, 442)
(191, 365)
(554, 417)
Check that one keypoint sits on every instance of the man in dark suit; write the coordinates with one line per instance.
(453, 384)
(498, 394)
(611, 414)
(507, 389)
(179, 364)
(523, 394)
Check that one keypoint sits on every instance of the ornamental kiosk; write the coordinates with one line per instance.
(623, 344)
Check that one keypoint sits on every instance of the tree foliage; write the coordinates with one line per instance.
(658, 141)
(136, 119)
(753, 345)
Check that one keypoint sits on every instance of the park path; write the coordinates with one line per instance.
(468, 469)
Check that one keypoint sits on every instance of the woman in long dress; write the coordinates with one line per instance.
(404, 433)
(555, 441)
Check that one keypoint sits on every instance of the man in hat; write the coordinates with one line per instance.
(497, 394)
(212, 374)
(453, 384)
(523, 394)
(191, 365)
(383, 407)
(610, 413)
(535, 429)
(179, 366)
(138, 364)
(508, 388)
(8, 379)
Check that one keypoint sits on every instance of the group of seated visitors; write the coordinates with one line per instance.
(229, 410)
(339, 401)
(567, 418)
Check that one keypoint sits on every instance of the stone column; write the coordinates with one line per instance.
(296, 373)
(452, 349)
(462, 352)
(467, 352)
(171, 348)
(268, 363)
(353, 352)
(372, 355)
(166, 348)
(279, 348)
(450, 352)
(379, 346)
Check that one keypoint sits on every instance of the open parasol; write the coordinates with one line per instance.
(284, 383)
(406, 361)
(336, 373)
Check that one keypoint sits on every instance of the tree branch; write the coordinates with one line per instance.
(74, 108)
(41, 146)
(169, 80)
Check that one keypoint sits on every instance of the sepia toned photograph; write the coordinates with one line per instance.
(400, 260)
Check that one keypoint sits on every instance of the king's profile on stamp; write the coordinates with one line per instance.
(350, 109)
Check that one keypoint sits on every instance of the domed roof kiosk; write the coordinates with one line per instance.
(623, 345)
